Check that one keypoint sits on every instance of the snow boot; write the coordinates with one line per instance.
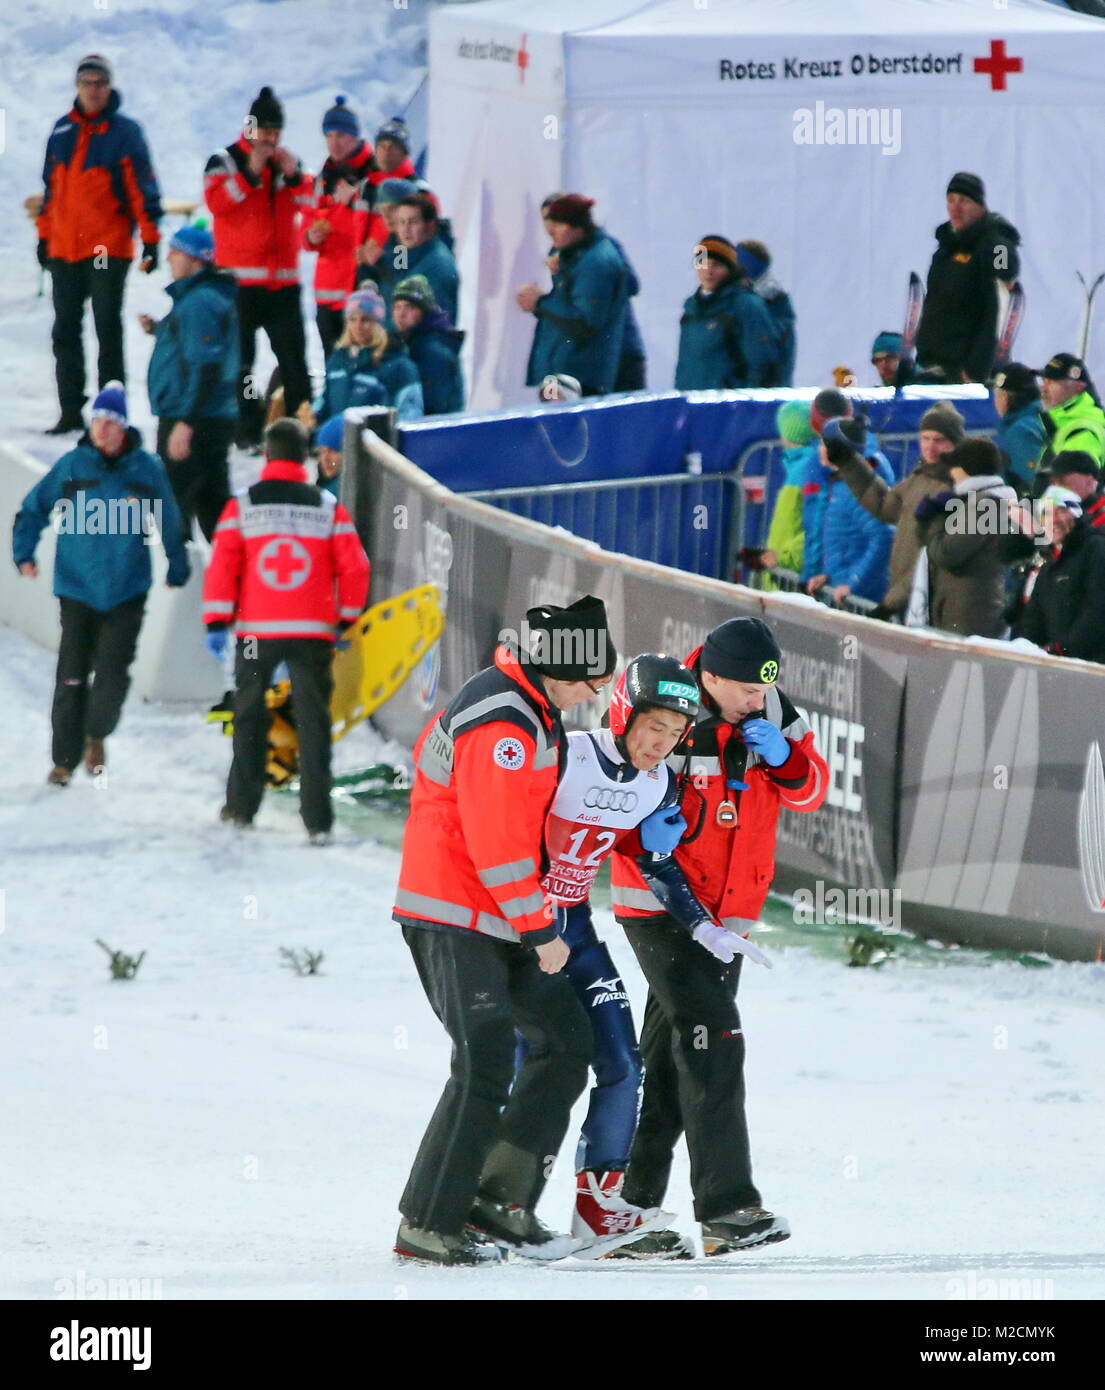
(71, 422)
(743, 1229)
(95, 759)
(432, 1247)
(514, 1228)
(604, 1220)
(654, 1245)
(320, 838)
(59, 776)
(227, 815)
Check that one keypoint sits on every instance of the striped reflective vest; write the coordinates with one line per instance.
(256, 217)
(286, 560)
(487, 769)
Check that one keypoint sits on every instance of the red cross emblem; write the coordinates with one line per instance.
(997, 65)
(284, 563)
(522, 60)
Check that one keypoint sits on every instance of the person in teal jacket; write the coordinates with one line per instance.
(193, 378)
(727, 338)
(1021, 435)
(581, 321)
(370, 366)
(433, 343)
(111, 497)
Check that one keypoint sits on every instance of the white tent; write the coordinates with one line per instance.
(684, 117)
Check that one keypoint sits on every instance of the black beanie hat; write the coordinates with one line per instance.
(742, 649)
(1068, 461)
(977, 457)
(829, 404)
(573, 643)
(970, 185)
(266, 109)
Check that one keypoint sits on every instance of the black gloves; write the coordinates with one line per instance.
(43, 257)
(149, 260)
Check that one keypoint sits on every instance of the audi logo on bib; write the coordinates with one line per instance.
(610, 799)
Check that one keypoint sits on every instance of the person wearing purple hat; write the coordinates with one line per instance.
(193, 376)
(370, 365)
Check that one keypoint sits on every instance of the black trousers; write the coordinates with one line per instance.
(73, 283)
(309, 665)
(693, 1051)
(485, 1136)
(330, 324)
(200, 482)
(93, 674)
(278, 313)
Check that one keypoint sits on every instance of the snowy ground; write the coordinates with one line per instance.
(231, 1130)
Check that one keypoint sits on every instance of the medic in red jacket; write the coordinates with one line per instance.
(286, 561)
(735, 774)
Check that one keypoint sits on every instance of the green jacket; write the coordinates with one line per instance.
(1076, 424)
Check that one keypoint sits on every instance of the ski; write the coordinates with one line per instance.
(1011, 321)
(915, 302)
(1087, 312)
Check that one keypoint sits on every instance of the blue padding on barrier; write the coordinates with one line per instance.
(619, 437)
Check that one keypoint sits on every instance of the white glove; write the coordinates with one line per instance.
(726, 944)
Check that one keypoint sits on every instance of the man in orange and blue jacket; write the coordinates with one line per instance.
(100, 188)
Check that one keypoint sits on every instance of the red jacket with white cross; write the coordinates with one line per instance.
(286, 560)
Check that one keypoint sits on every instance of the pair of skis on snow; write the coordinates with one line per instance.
(1012, 306)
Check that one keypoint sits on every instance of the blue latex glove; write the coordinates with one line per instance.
(342, 640)
(767, 740)
(735, 786)
(662, 831)
(217, 643)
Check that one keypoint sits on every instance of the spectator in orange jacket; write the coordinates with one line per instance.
(339, 222)
(288, 570)
(100, 187)
(257, 191)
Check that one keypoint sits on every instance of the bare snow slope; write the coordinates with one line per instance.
(228, 1129)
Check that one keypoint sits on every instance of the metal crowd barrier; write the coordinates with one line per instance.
(655, 518)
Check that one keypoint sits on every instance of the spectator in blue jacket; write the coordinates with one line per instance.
(328, 445)
(419, 250)
(369, 366)
(631, 359)
(111, 497)
(726, 335)
(581, 322)
(755, 263)
(1021, 435)
(193, 377)
(433, 343)
(847, 549)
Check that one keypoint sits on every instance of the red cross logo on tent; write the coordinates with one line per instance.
(998, 65)
(522, 60)
(284, 563)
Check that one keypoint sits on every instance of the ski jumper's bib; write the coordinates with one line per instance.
(593, 809)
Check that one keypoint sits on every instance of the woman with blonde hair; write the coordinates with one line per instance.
(370, 365)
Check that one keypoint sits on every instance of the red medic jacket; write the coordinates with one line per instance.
(729, 869)
(286, 561)
(335, 269)
(256, 217)
(487, 771)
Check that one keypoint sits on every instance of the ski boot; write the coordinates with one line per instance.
(59, 776)
(742, 1230)
(664, 1244)
(514, 1228)
(603, 1220)
(431, 1247)
(95, 759)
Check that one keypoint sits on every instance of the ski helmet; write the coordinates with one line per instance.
(651, 681)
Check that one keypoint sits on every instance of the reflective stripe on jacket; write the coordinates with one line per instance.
(286, 560)
(487, 772)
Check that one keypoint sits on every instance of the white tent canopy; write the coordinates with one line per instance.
(686, 117)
